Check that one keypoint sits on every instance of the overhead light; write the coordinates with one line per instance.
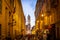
(42, 15)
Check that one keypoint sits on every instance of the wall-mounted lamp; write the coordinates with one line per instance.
(42, 15)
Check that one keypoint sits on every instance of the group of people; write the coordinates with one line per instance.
(40, 35)
(43, 34)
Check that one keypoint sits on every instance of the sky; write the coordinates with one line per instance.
(29, 9)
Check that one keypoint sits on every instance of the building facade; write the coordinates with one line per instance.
(11, 18)
(38, 8)
(48, 16)
(19, 18)
(5, 15)
(28, 26)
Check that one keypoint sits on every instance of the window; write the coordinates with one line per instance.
(0, 29)
(12, 2)
(0, 6)
(54, 3)
(9, 13)
(6, 8)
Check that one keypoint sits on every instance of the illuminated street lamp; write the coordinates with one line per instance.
(42, 18)
(42, 15)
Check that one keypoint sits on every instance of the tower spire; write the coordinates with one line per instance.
(29, 22)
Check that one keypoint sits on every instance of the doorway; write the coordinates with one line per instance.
(53, 32)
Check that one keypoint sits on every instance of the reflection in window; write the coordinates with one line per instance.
(0, 6)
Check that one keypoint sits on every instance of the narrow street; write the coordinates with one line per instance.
(29, 19)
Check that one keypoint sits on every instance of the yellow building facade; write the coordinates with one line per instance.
(20, 19)
(4, 18)
(12, 19)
